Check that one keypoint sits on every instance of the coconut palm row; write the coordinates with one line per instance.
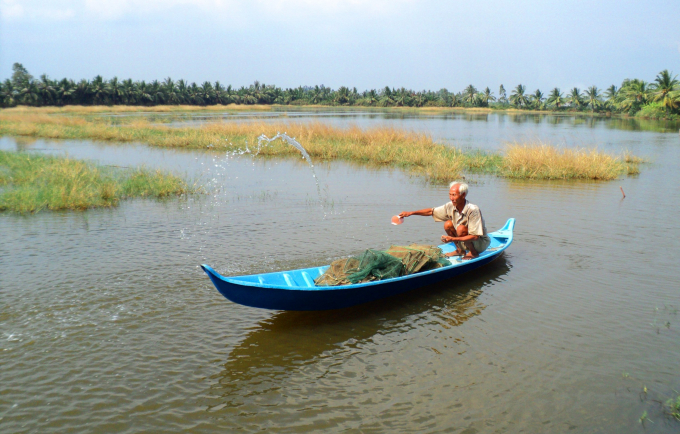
(630, 97)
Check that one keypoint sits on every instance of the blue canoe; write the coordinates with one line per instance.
(295, 289)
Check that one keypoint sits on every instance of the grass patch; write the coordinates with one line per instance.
(32, 183)
(543, 161)
(413, 152)
(672, 407)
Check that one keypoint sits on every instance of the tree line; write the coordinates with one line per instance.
(660, 96)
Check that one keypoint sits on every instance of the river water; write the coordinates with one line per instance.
(107, 323)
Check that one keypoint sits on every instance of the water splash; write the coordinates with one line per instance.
(264, 141)
(291, 141)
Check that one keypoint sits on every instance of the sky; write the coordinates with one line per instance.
(356, 43)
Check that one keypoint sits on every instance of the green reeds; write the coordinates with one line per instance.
(32, 183)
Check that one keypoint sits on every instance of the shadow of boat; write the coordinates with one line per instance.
(287, 340)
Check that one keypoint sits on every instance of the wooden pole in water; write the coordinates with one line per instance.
(624, 194)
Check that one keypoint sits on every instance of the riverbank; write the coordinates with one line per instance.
(413, 152)
(32, 183)
(103, 109)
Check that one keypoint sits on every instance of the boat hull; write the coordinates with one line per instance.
(284, 290)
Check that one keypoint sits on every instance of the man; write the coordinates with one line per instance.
(463, 223)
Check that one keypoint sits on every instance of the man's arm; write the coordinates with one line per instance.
(447, 239)
(423, 212)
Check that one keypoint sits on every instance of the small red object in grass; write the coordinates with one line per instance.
(396, 220)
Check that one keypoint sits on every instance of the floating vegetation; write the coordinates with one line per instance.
(31, 183)
(672, 407)
(644, 418)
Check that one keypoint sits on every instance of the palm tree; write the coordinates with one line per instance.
(29, 94)
(128, 92)
(470, 95)
(518, 98)
(502, 98)
(487, 96)
(611, 98)
(82, 92)
(556, 98)
(538, 98)
(633, 95)
(114, 90)
(64, 91)
(371, 97)
(183, 92)
(593, 96)
(7, 94)
(342, 95)
(575, 98)
(611, 93)
(169, 90)
(385, 101)
(207, 92)
(663, 89)
(315, 95)
(221, 94)
(144, 93)
(98, 90)
(46, 91)
(401, 98)
(419, 99)
(156, 91)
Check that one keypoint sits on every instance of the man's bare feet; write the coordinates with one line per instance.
(469, 256)
(456, 253)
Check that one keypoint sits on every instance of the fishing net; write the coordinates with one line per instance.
(378, 265)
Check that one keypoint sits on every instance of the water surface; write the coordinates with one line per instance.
(107, 323)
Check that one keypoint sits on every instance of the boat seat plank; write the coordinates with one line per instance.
(288, 279)
(308, 279)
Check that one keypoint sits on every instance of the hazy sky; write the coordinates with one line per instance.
(367, 44)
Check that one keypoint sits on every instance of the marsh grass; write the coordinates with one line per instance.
(672, 407)
(32, 183)
(414, 152)
(543, 161)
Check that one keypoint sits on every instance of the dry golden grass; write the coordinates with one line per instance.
(630, 158)
(414, 152)
(543, 161)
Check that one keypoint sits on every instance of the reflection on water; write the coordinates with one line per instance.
(296, 348)
(289, 338)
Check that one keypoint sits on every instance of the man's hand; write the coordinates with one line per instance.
(405, 214)
(447, 239)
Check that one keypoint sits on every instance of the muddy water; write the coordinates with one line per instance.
(108, 325)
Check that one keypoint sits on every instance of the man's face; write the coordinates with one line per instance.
(455, 195)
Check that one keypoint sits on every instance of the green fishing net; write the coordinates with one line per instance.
(378, 265)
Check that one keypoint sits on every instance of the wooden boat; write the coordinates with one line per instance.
(295, 289)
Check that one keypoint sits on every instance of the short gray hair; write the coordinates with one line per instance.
(463, 189)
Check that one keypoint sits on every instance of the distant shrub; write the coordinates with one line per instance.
(655, 110)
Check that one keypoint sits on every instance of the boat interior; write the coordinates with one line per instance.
(304, 278)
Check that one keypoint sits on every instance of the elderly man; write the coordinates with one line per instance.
(463, 222)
